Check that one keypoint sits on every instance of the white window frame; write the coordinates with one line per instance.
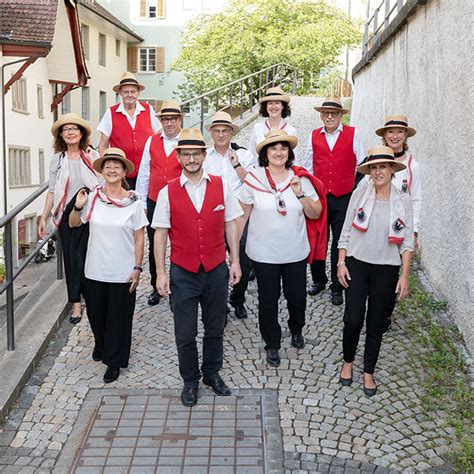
(102, 50)
(39, 99)
(41, 166)
(86, 103)
(20, 96)
(150, 64)
(102, 103)
(66, 103)
(85, 32)
(19, 166)
(118, 48)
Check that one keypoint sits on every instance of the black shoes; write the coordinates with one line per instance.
(336, 298)
(273, 358)
(189, 396)
(217, 385)
(370, 392)
(240, 311)
(154, 298)
(96, 355)
(111, 374)
(316, 288)
(345, 382)
(297, 341)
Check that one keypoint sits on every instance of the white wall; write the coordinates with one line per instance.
(426, 72)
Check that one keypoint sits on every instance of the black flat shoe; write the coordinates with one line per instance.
(370, 392)
(189, 396)
(273, 358)
(337, 299)
(297, 341)
(96, 355)
(240, 311)
(316, 288)
(111, 374)
(154, 298)
(74, 319)
(217, 385)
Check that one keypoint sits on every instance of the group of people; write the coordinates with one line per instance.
(268, 208)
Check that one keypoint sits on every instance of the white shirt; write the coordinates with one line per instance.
(143, 177)
(196, 192)
(111, 247)
(259, 130)
(331, 138)
(273, 238)
(220, 165)
(105, 125)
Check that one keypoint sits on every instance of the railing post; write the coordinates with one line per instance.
(387, 14)
(8, 250)
(376, 24)
(241, 99)
(202, 115)
(59, 258)
(273, 76)
(399, 5)
(295, 81)
(266, 80)
(217, 101)
(251, 93)
(259, 85)
(230, 99)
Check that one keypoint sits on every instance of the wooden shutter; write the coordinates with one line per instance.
(160, 60)
(160, 11)
(143, 8)
(133, 59)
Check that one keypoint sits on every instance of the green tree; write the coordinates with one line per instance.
(250, 35)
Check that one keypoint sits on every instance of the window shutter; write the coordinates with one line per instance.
(143, 8)
(161, 9)
(132, 59)
(160, 60)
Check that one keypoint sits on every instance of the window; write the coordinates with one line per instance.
(147, 60)
(85, 40)
(39, 97)
(66, 103)
(19, 96)
(117, 97)
(41, 167)
(102, 103)
(19, 166)
(86, 103)
(152, 8)
(102, 49)
(117, 47)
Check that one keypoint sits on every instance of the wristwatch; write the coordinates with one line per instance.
(300, 197)
(77, 209)
(138, 267)
(237, 165)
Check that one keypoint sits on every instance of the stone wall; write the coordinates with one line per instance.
(425, 70)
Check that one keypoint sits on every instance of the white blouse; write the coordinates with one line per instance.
(259, 130)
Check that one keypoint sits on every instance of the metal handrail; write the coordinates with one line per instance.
(242, 93)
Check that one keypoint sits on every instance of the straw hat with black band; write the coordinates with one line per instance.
(276, 136)
(169, 107)
(70, 118)
(128, 79)
(275, 93)
(191, 138)
(332, 104)
(222, 118)
(396, 121)
(380, 154)
(113, 154)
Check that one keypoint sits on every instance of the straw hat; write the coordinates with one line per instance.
(396, 121)
(275, 136)
(70, 118)
(191, 138)
(113, 154)
(275, 93)
(169, 107)
(222, 118)
(128, 79)
(332, 103)
(380, 154)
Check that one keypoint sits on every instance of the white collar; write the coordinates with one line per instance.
(183, 179)
(139, 108)
(338, 129)
(167, 138)
(212, 149)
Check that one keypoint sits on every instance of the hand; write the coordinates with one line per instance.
(42, 227)
(163, 285)
(134, 277)
(81, 198)
(403, 285)
(343, 276)
(235, 273)
(233, 158)
(296, 186)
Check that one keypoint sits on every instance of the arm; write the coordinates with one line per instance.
(311, 208)
(403, 281)
(75, 215)
(232, 238)
(239, 169)
(143, 177)
(103, 143)
(415, 194)
(160, 243)
(358, 148)
(139, 238)
(242, 220)
(48, 205)
(342, 272)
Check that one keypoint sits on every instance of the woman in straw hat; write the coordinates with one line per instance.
(377, 237)
(70, 170)
(274, 108)
(114, 259)
(278, 199)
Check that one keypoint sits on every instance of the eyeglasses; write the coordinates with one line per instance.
(70, 130)
(221, 131)
(169, 119)
(331, 114)
(187, 156)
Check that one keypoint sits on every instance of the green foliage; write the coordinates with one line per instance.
(253, 34)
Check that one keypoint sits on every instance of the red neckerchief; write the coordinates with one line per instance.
(267, 124)
(108, 200)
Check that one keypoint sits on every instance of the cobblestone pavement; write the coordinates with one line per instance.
(325, 427)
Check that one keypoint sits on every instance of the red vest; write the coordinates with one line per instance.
(336, 168)
(131, 141)
(162, 168)
(197, 238)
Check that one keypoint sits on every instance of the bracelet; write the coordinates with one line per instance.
(300, 197)
(138, 267)
(236, 166)
(342, 262)
(77, 209)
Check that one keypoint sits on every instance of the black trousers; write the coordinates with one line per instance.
(188, 290)
(237, 295)
(132, 182)
(150, 209)
(374, 285)
(337, 207)
(269, 276)
(110, 308)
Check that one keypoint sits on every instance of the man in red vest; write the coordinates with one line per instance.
(159, 165)
(198, 212)
(128, 124)
(334, 151)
